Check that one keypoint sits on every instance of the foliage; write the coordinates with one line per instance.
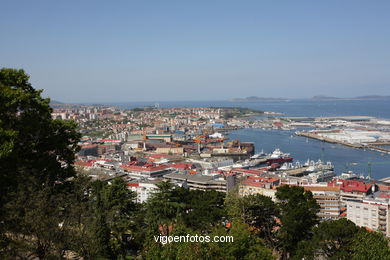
(198, 210)
(298, 214)
(164, 208)
(245, 245)
(33, 220)
(342, 239)
(203, 209)
(108, 221)
(258, 211)
(331, 239)
(370, 245)
(36, 156)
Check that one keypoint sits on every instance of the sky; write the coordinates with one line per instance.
(145, 50)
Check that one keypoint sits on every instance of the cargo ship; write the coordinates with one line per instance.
(279, 157)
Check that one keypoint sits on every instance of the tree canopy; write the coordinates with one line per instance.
(36, 156)
(342, 239)
(298, 214)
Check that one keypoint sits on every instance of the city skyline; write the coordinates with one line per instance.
(96, 51)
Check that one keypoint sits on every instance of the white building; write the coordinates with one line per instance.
(143, 188)
(372, 212)
(213, 163)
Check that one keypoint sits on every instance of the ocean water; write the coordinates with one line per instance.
(376, 108)
(301, 148)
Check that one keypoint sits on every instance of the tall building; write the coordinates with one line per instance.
(372, 212)
(259, 185)
(143, 188)
(352, 190)
(328, 198)
(202, 182)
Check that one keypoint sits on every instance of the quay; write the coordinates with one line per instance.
(373, 146)
(328, 140)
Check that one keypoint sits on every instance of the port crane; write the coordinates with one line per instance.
(369, 166)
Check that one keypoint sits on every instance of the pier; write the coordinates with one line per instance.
(329, 140)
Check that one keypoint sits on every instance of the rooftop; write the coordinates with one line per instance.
(350, 185)
(259, 181)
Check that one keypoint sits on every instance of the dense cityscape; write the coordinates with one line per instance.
(190, 148)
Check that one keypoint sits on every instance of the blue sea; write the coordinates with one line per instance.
(309, 108)
(301, 148)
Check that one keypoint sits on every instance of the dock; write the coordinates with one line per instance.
(329, 140)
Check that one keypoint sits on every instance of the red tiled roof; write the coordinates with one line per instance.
(322, 188)
(384, 195)
(351, 185)
(145, 168)
(89, 146)
(110, 140)
(157, 156)
(83, 163)
(259, 181)
(182, 166)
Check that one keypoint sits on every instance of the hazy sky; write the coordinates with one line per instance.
(107, 51)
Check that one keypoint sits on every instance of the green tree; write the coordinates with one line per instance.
(331, 239)
(34, 223)
(203, 209)
(298, 214)
(120, 210)
(163, 212)
(258, 211)
(105, 227)
(36, 157)
(175, 250)
(99, 227)
(370, 245)
(245, 245)
(31, 142)
(165, 208)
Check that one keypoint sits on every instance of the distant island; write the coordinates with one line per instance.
(368, 97)
(321, 97)
(256, 99)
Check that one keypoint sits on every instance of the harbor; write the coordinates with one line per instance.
(343, 158)
(375, 146)
(326, 139)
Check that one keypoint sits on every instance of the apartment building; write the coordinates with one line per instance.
(259, 185)
(145, 171)
(328, 198)
(143, 188)
(202, 182)
(372, 212)
(352, 190)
